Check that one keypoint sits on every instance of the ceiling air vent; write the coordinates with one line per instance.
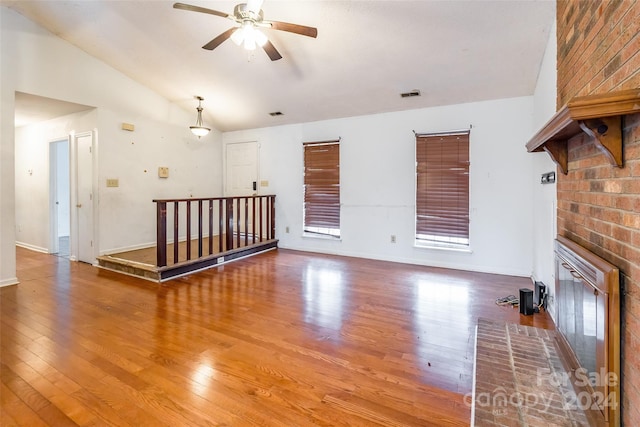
(276, 113)
(414, 92)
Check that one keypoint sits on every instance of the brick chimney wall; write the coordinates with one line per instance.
(599, 204)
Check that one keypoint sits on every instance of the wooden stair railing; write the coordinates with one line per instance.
(241, 221)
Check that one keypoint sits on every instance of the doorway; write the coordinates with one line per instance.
(241, 179)
(59, 198)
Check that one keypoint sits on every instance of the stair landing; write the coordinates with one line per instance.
(142, 262)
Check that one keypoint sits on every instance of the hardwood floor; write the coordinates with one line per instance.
(284, 338)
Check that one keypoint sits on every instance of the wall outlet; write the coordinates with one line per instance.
(393, 238)
(163, 172)
(220, 260)
(113, 182)
(264, 183)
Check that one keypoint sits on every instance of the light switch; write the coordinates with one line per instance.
(112, 182)
(163, 172)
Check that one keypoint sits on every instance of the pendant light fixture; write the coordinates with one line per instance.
(199, 129)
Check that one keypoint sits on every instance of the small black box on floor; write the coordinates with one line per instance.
(526, 301)
(539, 292)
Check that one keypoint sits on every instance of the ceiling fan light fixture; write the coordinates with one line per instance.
(259, 37)
(237, 36)
(249, 36)
(249, 43)
(248, 18)
(199, 129)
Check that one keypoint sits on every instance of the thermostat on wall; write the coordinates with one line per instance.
(163, 172)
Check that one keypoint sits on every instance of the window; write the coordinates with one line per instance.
(442, 190)
(322, 188)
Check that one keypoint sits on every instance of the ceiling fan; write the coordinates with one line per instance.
(249, 19)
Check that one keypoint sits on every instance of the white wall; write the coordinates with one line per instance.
(377, 164)
(127, 213)
(36, 62)
(545, 196)
(8, 59)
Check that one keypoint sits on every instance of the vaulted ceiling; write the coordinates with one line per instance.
(365, 55)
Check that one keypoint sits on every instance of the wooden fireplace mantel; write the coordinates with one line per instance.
(599, 116)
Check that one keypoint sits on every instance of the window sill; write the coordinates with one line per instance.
(443, 247)
(321, 237)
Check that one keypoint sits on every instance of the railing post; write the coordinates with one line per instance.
(210, 226)
(261, 220)
(253, 217)
(199, 228)
(229, 228)
(246, 221)
(273, 217)
(188, 230)
(238, 219)
(220, 226)
(176, 232)
(161, 234)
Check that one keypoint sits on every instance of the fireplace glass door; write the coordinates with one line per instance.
(578, 316)
(588, 321)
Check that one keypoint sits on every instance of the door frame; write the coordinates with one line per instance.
(53, 191)
(73, 171)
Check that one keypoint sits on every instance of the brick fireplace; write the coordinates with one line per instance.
(599, 204)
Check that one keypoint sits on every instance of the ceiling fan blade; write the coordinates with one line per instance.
(271, 50)
(199, 9)
(218, 40)
(294, 28)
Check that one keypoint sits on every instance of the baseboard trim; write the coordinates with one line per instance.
(32, 247)
(9, 282)
(127, 248)
(412, 261)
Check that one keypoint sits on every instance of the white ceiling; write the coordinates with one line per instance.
(365, 55)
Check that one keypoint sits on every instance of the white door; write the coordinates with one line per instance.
(84, 197)
(241, 179)
(241, 163)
